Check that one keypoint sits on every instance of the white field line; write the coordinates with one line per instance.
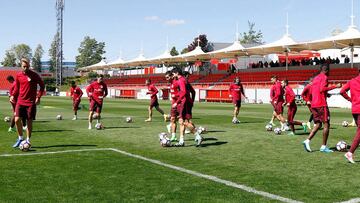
(194, 173)
(355, 200)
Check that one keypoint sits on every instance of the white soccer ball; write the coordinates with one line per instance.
(24, 146)
(345, 124)
(277, 131)
(269, 127)
(164, 140)
(59, 117)
(128, 119)
(341, 146)
(99, 126)
(202, 129)
(7, 119)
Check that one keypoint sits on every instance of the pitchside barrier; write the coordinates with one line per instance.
(254, 95)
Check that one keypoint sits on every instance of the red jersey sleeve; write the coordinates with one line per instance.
(192, 92)
(230, 89)
(324, 86)
(16, 87)
(89, 90)
(105, 90)
(182, 90)
(344, 91)
(42, 86)
(81, 92)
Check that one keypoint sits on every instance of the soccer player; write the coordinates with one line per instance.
(278, 101)
(182, 104)
(76, 94)
(319, 107)
(306, 95)
(96, 92)
(188, 116)
(292, 108)
(173, 112)
(272, 94)
(11, 80)
(235, 91)
(25, 91)
(354, 87)
(152, 90)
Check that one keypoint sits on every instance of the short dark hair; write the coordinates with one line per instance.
(186, 73)
(148, 80)
(72, 82)
(101, 76)
(10, 78)
(286, 81)
(274, 76)
(178, 71)
(325, 68)
(169, 72)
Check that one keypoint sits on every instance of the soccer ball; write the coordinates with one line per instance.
(202, 129)
(268, 127)
(24, 146)
(7, 119)
(277, 131)
(164, 140)
(99, 126)
(128, 119)
(341, 146)
(59, 117)
(345, 124)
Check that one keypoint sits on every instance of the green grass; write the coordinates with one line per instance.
(244, 153)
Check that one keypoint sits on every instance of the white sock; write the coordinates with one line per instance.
(89, 124)
(27, 139)
(20, 137)
(322, 146)
(181, 139)
(307, 140)
(173, 134)
(97, 121)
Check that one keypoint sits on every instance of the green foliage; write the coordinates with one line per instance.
(251, 36)
(52, 54)
(90, 52)
(202, 41)
(92, 75)
(36, 60)
(174, 52)
(9, 59)
(184, 51)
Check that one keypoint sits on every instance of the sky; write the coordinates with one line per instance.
(126, 26)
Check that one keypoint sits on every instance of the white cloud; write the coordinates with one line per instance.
(152, 18)
(174, 22)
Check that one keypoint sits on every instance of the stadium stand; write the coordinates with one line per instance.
(4, 72)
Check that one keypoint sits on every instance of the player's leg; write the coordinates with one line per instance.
(91, 113)
(181, 142)
(19, 130)
(311, 117)
(157, 107)
(326, 130)
(290, 118)
(149, 114)
(29, 129)
(356, 141)
(173, 128)
(313, 132)
(75, 109)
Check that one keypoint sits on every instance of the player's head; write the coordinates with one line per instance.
(169, 75)
(147, 82)
(325, 68)
(177, 72)
(25, 64)
(284, 83)
(100, 78)
(73, 84)
(237, 80)
(10, 78)
(273, 78)
(310, 79)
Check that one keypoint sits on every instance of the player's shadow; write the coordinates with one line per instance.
(36, 121)
(303, 133)
(48, 131)
(121, 127)
(215, 131)
(212, 144)
(249, 122)
(63, 145)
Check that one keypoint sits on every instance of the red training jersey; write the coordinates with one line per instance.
(26, 87)
(191, 92)
(174, 90)
(272, 93)
(279, 93)
(289, 95)
(319, 89)
(182, 93)
(354, 86)
(236, 90)
(306, 93)
(97, 91)
(152, 90)
(76, 93)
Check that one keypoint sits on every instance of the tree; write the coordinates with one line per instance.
(22, 51)
(52, 54)
(36, 60)
(174, 52)
(90, 52)
(9, 59)
(203, 43)
(251, 36)
(184, 51)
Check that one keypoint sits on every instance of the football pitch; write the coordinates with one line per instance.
(125, 162)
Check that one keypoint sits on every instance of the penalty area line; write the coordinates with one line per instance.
(355, 200)
(184, 170)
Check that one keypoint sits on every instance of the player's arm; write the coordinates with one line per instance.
(89, 91)
(41, 90)
(325, 86)
(192, 92)
(242, 90)
(154, 91)
(105, 90)
(304, 93)
(181, 93)
(277, 93)
(344, 91)
(81, 93)
(230, 90)
(16, 90)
